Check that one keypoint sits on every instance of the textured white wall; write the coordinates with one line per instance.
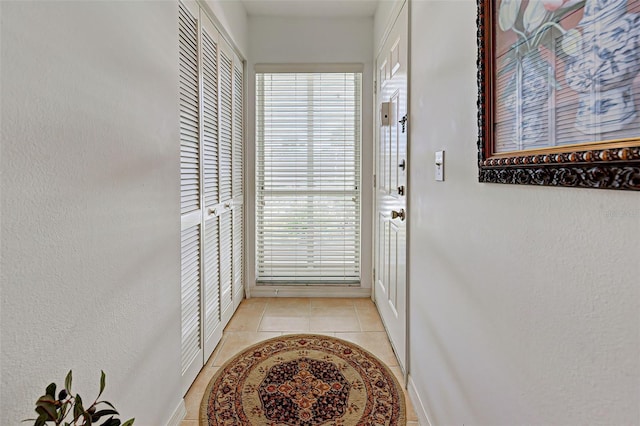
(90, 204)
(525, 301)
(232, 15)
(314, 40)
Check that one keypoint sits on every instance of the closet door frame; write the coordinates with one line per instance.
(209, 338)
(194, 218)
(238, 203)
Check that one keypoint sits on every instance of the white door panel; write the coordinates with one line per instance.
(390, 283)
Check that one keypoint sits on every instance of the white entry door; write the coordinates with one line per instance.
(391, 185)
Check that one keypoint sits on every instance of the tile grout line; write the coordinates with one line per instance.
(308, 315)
(262, 315)
(218, 348)
(358, 316)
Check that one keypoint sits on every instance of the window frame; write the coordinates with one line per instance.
(316, 69)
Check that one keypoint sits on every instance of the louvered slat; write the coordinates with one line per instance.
(225, 262)
(190, 290)
(189, 117)
(308, 177)
(226, 125)
(238, 139)
(211, 277)
(210, 118)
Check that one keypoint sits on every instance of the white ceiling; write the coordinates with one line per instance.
(311, 8)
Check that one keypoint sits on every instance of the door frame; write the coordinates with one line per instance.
(393, 17)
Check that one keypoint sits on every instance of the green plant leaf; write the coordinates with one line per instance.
(46, 399)
(128, 422)
(41, 421)
(51, 390)
(102, 382)
(47, 405)
(508, 13)
(534, 15)
(67, 382)
(78, 409)
(63, 410)
(106, 402)
(96, 416)
(48, 410)
(111, 422)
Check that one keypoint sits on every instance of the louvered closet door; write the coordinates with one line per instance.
(210, 145)
(211, 307)
(225, 121)
(237, 184)
(190, 194)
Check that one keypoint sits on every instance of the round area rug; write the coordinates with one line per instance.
(303, 380)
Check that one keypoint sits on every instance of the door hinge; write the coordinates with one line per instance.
(375, 87)
(374, 275)
(374, 181)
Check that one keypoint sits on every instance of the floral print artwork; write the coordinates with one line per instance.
(567, 72)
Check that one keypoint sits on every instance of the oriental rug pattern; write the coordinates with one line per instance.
(303, 380)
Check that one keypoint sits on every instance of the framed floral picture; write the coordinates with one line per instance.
(559, 92)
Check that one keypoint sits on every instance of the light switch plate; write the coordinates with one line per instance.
(440, 166)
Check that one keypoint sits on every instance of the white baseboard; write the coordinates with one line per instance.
(178, 414)
(309, 291)
(421, 411)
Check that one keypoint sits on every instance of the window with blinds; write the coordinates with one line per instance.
(308, 136)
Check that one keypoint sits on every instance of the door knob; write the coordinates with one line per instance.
(395, 214)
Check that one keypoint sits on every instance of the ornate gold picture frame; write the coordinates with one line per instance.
(559, 92)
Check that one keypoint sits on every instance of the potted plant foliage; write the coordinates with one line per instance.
(68, 410)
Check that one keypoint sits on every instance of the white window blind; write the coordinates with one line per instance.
(308, 135)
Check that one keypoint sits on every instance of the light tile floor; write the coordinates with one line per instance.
(256, 319)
